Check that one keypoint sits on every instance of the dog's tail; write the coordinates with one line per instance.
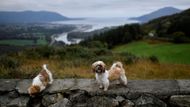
(117, 65)
(45, 67)
(49, 73)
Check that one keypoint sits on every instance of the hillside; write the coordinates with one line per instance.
(174, 28)
(30, 17)
(169, 25)
(156, 14)
(165, 52)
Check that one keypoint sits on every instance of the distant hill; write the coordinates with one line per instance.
(30, 17)
(156, 14)
(170, 24)
(173, 28)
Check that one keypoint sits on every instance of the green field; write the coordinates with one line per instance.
(18, 42)
(41, 42)
(165, 52)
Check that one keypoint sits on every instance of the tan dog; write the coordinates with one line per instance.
(103, 76)
(41, 81)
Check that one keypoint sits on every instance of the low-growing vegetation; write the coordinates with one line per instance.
(75, 62)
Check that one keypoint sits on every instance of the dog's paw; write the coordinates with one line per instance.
(100, 86)
(105, 89)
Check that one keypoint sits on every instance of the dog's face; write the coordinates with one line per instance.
(33, 90)
(98, 67)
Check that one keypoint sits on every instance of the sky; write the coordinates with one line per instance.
(93, 8)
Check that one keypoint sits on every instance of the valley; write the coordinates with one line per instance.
(153, 50)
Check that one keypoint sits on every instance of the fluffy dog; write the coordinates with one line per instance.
(103, 76)
(41, 81)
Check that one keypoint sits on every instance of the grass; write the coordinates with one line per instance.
(42, 42)
(165, 52)
(59, 69)
(142, 69)
(145, 69)
(16, 42)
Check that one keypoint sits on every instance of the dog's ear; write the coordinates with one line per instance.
(94, 65)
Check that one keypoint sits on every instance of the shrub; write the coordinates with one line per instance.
(153, 59)
(94, 44)
(9, 67)
(102, 51)
(179, 37)
(128, 58)
(8, 62)
(78, 52)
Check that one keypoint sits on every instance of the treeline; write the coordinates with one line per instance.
(175, 27)
(120, 35)
(31, 31)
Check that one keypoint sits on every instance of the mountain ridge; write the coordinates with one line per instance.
(156, 14)
(30, 16)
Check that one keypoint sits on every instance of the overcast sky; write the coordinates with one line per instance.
(93, 8)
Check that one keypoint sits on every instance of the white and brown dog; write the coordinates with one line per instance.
(103, 76)
(41, 81)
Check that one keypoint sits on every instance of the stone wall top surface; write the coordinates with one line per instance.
(157, 87)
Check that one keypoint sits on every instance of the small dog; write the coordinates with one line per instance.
(41, 81)
(103, 76)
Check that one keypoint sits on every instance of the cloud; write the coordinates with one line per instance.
(93, 8)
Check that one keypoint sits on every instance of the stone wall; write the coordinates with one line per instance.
(85, 93)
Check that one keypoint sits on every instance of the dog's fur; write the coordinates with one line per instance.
(104, 76)
(41, 81)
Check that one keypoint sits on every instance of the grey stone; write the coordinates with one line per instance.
(4, 100)
(127, 103)
(62, 103)
(156, 87)
(60, 85)
(180, 101)
(133, 89)
(7, 85)
(84, 84)
(88, 91)
(36, 105)
(113, 90)
(19, 102)
(80, 105)
(88, 85)
(23, 85)
(133, 95)
(149, 101)
(35, 101)
(78, 97)
(13, 94)
(101, 101)
(120, 99)
(184, 86)
(51, 99)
